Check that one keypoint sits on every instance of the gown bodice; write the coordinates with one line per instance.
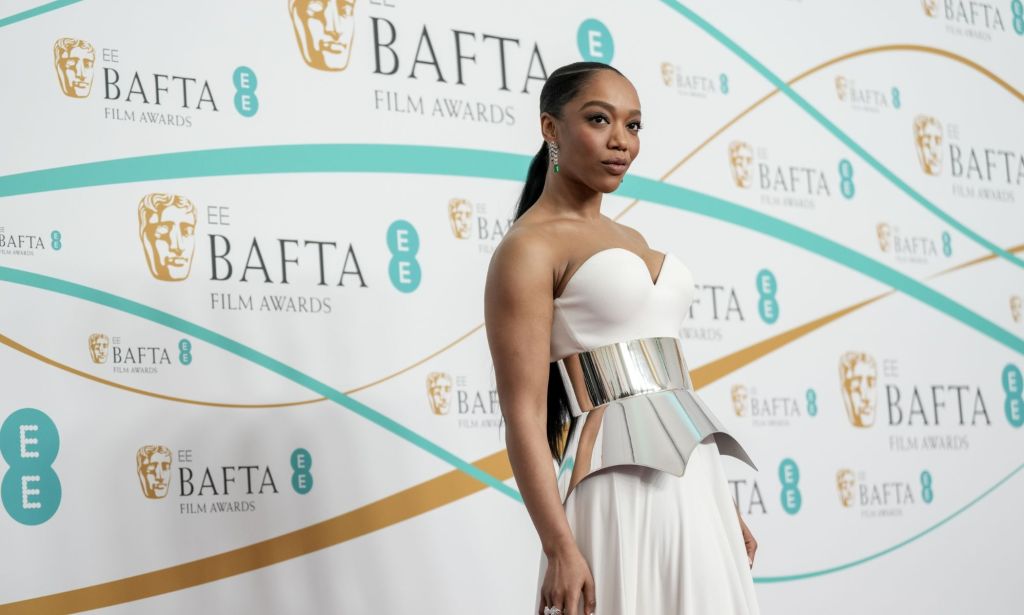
(611, 297)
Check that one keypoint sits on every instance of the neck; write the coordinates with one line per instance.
(569, 198)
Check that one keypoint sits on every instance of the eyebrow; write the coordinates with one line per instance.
(602, 103)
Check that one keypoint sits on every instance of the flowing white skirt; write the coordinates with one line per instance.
(660, 544)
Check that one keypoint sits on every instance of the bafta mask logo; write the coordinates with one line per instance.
(857, 375)
(439, 391)
(74, 60)
(668, 72)
(928, 139)
(1016, 308)
(739, 399)
(99, 345)
(167, 227)
(841, 87)
(740, 157)
(931, 7)
(460, 216)
(324, 29)
(844, 485)
(153, 464)
(884, 232)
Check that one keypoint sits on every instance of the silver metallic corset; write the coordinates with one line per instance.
(651, 415)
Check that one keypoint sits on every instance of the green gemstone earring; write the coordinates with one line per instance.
(553, 152)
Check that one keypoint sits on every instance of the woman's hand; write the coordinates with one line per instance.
(567, 575)
(748, 539)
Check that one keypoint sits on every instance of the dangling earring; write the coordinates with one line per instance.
(553, 153)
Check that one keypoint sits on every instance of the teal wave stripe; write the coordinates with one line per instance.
(775, 80)
(431, 160)
(868, 558)
(126, 305)
(213, 338)
(33, 12)
(302, 158)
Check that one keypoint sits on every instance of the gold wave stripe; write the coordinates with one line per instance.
(393, 509)
(198, 402)
(840, 58)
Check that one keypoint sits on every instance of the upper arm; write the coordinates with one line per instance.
(518, 309)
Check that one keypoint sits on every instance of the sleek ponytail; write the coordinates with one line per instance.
(561, 86)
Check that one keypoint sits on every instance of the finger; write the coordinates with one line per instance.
(589, 597)
(571, 604)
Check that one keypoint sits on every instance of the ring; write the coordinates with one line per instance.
(552, 610)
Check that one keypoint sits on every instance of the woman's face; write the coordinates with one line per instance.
(599, 128)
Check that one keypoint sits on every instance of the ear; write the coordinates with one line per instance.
(548, 127)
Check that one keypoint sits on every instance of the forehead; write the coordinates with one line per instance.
(611, 87)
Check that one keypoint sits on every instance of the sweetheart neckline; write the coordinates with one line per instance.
(654, 282)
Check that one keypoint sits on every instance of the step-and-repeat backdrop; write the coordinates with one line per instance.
(242, 257)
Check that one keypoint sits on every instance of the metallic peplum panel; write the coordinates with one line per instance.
(651, 415)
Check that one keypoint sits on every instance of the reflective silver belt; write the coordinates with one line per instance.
(652, 416)
(625, 369)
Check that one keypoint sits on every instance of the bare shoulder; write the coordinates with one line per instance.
(525, 258)
(630, 232)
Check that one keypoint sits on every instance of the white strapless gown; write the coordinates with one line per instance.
(656, 543)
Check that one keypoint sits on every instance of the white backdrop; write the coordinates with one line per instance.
(271, 390)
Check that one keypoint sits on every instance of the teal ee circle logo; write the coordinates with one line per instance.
(812, 402)
(947, 244)
(184, 351)
(1014, 405)
(595, 42)
(789, 476)
(1017, 8)
(30, 489)
(302, 479)
(246, 102)
(55, 242)
(926, 487)
(404, 244)
(896, 98)
(846, 186)
(723, 83)
(767, 306)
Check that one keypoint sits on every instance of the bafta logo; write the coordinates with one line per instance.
(460, 215)
(439, 391)
(844, 485)
(99, 345)
(841, 87)
(323, 29)
(928, 139)
(1015, 308)
(167, 225)
(857, 374)
(668, 72)
(931, 7)
(74, 60)
(740, 157)
(153, 464)
(884, 232)
(739, 399)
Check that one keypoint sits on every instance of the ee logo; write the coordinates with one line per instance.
(302, 479)
(30, 489)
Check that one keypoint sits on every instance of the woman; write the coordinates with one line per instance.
(582, 322)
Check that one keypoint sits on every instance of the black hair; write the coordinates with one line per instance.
(561, 86)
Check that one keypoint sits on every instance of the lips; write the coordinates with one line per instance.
(616, 166)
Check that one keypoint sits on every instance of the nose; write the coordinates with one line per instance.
(331, 19)
(175, 239)
(617, 138)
